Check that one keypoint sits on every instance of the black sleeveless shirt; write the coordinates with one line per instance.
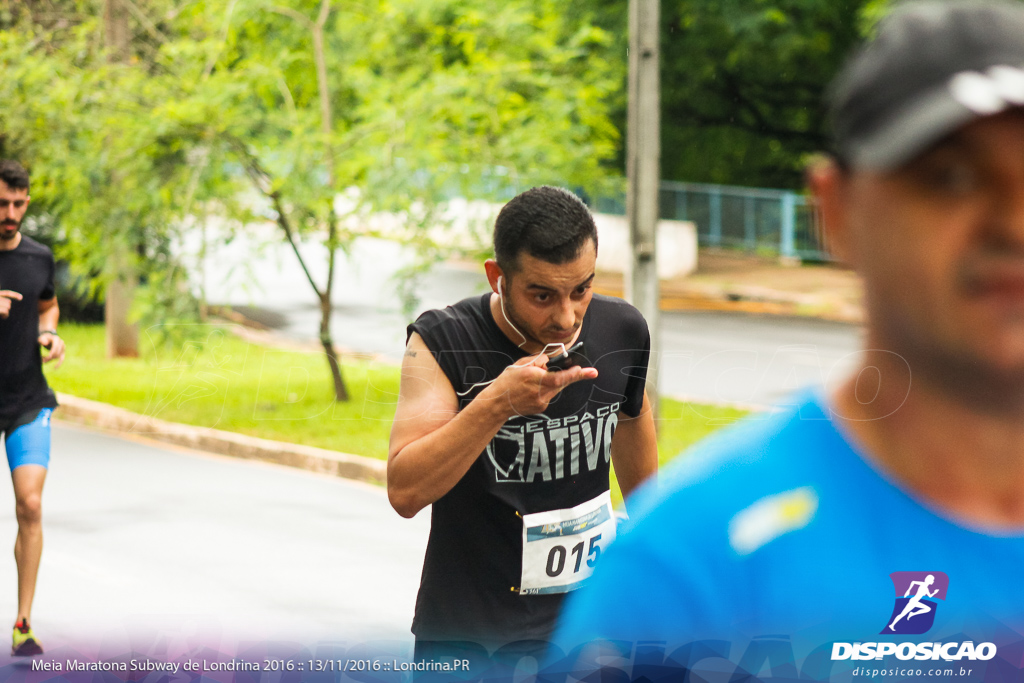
(469, 589)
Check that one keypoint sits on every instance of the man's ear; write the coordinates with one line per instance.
(494, 272)
(830, 186)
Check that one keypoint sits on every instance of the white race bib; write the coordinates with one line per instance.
(561, 547)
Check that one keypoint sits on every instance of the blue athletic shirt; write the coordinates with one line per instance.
(778, 527)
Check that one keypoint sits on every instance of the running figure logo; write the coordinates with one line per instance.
(914, 612)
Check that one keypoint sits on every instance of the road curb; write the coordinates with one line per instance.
(96, 414)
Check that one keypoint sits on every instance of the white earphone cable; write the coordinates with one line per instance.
(501, 303)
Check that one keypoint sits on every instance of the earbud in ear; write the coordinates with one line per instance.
(499, 286)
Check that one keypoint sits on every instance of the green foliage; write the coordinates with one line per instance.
(743, 83)
(422, 93)
(319, 116)
(217, 380)
(107, 175)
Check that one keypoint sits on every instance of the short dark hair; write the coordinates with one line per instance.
(13, 174)
(546, 222)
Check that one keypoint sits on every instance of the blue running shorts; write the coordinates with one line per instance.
(27, 439)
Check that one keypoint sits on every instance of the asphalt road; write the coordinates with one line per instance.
(760, 360)
(147, 541)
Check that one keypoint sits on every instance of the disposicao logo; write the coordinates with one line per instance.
(914, 614)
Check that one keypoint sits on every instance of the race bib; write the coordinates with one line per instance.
(561, 547)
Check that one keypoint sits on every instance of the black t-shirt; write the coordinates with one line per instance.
(469, 589)
(28, 270)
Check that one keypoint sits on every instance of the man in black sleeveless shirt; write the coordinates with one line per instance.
(28, 320)
(513, 457)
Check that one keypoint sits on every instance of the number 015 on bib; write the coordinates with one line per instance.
(561, 547)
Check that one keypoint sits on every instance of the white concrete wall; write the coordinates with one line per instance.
(677, 246)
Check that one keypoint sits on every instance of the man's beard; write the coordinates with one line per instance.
(5, 229)
(513, 319)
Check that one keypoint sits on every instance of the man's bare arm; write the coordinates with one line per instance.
(635, 449)
(433, 444)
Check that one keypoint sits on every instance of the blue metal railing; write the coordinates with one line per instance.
(757, 220)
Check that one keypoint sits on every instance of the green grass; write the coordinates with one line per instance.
(221, 381)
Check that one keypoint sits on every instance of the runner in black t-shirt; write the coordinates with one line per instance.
(514, 458)
(28, 320)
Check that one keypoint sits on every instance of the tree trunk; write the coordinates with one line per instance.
(122, 338)
(122, 279)
(115, 27)
(340, 391)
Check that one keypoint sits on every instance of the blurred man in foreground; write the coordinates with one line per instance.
(813, 524)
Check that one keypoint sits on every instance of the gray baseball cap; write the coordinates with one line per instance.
(932, 68)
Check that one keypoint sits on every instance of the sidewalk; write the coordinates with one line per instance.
(734, 281)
